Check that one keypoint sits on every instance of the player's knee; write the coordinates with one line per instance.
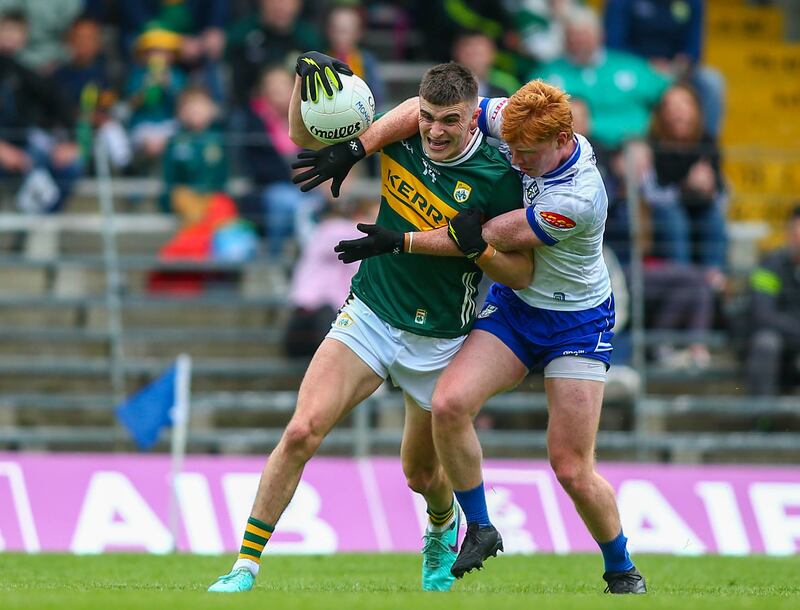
(572, 471)
(447, 407)
(300, 439)
(420, 480)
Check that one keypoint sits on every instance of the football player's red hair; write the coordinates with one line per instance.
(536, 113)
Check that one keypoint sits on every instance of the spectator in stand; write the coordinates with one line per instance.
(48, 22)
(320, 283)
(686, 190)
(153, 87)
(670, 36)
(195, 156)
(775, 317)
(201, 24)
(440, 21)
(86, 81)
(267, 153)
(476, 51)
(344, 29)
(36, 127)
(620, 89)
(273, 35)
(677, 295)
(540, 25)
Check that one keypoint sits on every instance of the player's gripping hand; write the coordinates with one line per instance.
(317, 72)
(465, 230)
(379, 240)
(332, 162)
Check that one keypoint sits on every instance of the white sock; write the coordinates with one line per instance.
(247, 563)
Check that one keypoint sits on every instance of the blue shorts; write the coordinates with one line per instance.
(538, 336)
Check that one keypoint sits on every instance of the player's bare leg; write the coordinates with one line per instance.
(574, 407)
(574, 415)
(483, 367)
(421, 466)
(336, 380)
(426, 476)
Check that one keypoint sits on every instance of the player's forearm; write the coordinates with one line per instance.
(399, 123)
(435, 243)
(297, 129)
(510, 231)
(512, 269)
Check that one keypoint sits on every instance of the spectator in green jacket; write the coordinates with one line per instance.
(195, 156)
(620, 88)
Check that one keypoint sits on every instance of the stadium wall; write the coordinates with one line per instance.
(99, 503)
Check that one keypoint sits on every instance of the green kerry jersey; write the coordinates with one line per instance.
(433, 295)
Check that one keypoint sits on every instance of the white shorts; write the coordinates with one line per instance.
(414, 362)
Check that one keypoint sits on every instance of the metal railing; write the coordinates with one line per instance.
(646, 433)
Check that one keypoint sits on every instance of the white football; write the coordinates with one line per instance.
(344, 116)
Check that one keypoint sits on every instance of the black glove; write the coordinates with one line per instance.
(378, 241)
(465, 230)
(333, 161)
(319, 71)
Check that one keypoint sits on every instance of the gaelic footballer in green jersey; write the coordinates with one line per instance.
(431, 295)
(408, 316)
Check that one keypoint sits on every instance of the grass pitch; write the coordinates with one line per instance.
(348, 582)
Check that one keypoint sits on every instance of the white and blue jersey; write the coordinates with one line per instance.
(566, 209)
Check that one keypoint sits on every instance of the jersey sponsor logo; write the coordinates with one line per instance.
(487, 311)
(559, 296)
(559, 221)
(421, 316)
(462, 191)
(410, 198)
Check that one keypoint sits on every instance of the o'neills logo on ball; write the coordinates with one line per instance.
(335, 134)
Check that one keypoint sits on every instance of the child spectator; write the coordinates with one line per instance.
(36, 125)
(201, 24)
(152, 89)
(685, 190)
(267, 152)
(195, 156)
(320, 283)
(85, 80)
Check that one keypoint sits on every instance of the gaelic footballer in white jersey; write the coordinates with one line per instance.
(567, 210)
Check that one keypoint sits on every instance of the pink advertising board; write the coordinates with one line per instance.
(95, 503)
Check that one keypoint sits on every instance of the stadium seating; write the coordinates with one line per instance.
(64, 363)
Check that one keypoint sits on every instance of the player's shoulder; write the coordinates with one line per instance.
(497, 167)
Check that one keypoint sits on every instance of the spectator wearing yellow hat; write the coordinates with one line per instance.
(152, 90)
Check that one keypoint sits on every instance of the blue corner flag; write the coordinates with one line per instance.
(150, 409)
